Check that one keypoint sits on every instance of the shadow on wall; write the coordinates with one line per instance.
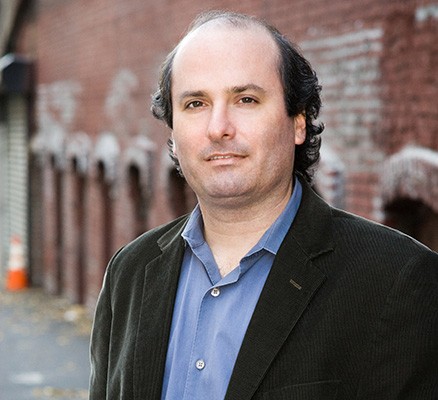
(410, 193)
(415, 219)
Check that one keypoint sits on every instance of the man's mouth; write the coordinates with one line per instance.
(224, 156)
(221, 157)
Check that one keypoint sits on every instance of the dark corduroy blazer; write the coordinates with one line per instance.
(349, 311)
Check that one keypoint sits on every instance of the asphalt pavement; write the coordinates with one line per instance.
(44, 347)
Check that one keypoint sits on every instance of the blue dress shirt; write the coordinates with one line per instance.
(211, 313)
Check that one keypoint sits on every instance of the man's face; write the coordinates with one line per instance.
(231, 132)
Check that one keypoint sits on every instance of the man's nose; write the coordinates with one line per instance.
(220, 126)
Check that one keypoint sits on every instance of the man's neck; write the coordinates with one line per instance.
(232, 232)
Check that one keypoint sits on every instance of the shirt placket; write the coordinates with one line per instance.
(201, 364)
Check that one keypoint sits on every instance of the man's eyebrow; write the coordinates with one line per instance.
(190, 93)
(249, 86)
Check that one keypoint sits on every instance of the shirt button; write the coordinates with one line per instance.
(200, 364)
(215, 292)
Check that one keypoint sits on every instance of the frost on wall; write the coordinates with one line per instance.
(413, 174)
(120, 103)
(330, 177)
(56, 110)
(348, 69)
(140, 153)
(426, 12)
(107, 152)
(78, 147)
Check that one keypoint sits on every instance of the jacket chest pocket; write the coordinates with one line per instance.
(323, 390)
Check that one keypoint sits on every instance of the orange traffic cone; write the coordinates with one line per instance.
(16, 277)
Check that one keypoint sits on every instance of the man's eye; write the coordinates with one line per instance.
(247, 100)
(194, 104)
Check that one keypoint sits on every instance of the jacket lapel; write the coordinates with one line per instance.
(292, 283)
(159, 290)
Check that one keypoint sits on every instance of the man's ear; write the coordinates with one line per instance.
(173, 145)
(300, 128)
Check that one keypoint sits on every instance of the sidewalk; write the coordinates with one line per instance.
(44, 345)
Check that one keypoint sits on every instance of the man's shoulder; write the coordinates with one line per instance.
(147, 246)
(320, 227)
(153, 235)
(371, 236)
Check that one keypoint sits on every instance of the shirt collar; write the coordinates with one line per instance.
(271, 239)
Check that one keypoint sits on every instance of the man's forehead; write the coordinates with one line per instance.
(221, 54)
(215, 29)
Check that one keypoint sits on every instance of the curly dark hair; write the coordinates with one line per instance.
(300, 83)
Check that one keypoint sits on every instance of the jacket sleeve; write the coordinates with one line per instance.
(403, 357)
(100, 342)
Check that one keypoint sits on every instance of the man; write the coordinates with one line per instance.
(264, 291)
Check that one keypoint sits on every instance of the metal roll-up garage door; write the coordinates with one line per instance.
(16, 200)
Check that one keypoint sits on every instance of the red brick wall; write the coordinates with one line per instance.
(409, 74)
(98, 61)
